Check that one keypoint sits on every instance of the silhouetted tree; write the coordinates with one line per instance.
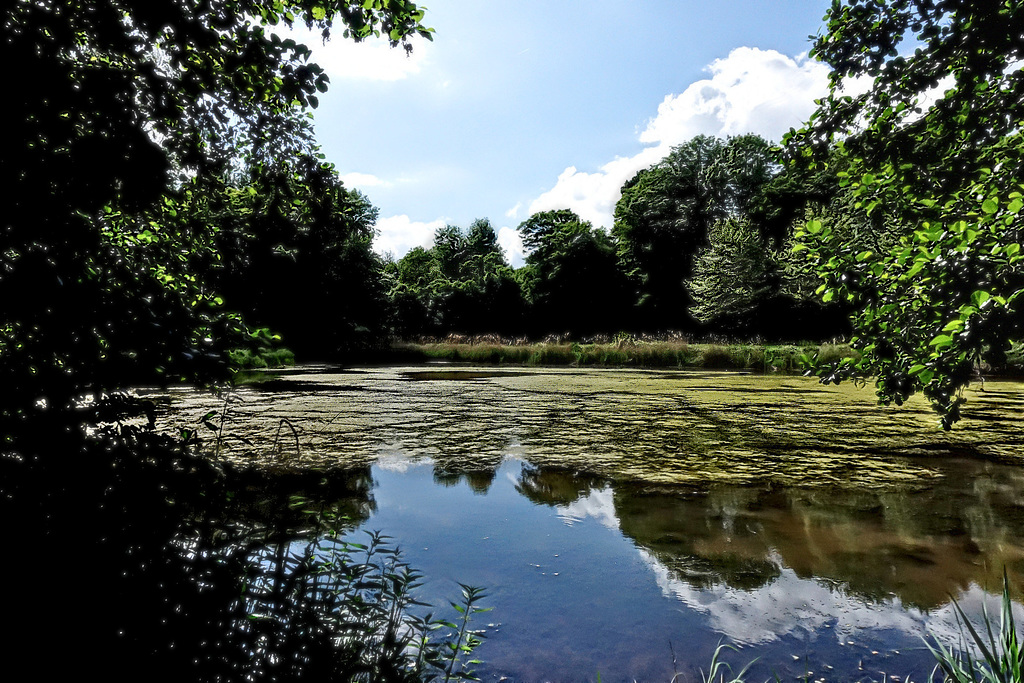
(571, 276)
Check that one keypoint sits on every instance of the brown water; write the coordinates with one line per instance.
(626, 521)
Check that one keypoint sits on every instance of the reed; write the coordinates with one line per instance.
(990, 653)
(630, 352)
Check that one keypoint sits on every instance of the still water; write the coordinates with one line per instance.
(625, 523)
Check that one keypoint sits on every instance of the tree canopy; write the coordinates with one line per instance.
(116, 110)
(572, 279)
(126, 121)
(665, 212)
(936, 141)
(461, 284)
(295, 255)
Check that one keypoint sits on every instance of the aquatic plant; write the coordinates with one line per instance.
(717, 668)
(991, 656)
(334, 609)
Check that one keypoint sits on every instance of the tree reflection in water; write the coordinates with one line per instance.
(837, 577)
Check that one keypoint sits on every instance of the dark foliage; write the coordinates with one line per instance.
(666, 212)
(572, 280)
(462, 284)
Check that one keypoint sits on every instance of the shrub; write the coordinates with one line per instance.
(715, 356)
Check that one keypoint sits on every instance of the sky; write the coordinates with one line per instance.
(521, 107)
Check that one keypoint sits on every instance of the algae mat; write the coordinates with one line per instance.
(657, 427)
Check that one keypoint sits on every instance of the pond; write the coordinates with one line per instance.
(625, 522)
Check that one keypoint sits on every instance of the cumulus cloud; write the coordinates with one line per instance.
(791, 605)
(371, 60)
(749, 91)
(398, 234)
(511, 242)
(597, 504)
(593, 195)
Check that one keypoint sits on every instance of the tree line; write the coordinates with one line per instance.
(702, 244)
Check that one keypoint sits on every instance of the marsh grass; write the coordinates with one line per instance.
(718, 669)
(631, 352)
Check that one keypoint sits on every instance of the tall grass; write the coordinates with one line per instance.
(717, 669)
(631, 352)
(247, 359)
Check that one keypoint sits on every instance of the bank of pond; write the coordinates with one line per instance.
(625, 522)
(630, 352)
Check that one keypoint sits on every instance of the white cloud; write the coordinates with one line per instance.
(398, 234)
(597, 504)
(593, 195)
(750, 91)
(511, 243)
(513, 213)
(792, 605)
(371, 60)
(363, 180)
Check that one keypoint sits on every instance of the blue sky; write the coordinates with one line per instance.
(527, 106)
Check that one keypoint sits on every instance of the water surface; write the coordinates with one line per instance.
(626, 522)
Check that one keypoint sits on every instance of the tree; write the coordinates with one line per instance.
(745, 286)
(571, 276)
(461, 284)
(665, 212)
(142, 101)
(117, 114)
(936, 140)
(296, 255)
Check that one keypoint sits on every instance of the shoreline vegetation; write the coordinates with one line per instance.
(626, 351)
(622, 350)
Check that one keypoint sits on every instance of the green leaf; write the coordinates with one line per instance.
(990, 205)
